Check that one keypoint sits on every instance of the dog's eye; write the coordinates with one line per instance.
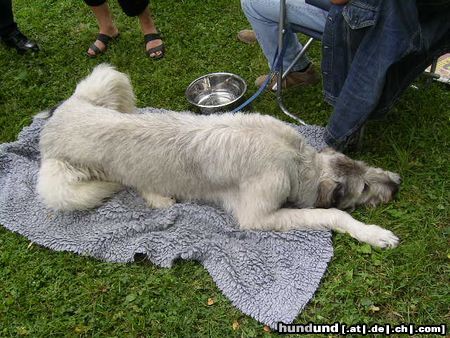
(366, 187)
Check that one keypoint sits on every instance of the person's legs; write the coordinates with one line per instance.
(264, 17)
(7, 24)
(148, 27)
(104, 21)
(140, 9)
(10, 33)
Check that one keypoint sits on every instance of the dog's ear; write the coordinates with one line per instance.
(344, 166)
(329, 194)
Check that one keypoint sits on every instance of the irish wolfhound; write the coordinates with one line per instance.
(255, 167)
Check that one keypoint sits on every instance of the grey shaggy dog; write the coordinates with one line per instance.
(255, 167)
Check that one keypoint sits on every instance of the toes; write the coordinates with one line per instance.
(154, 44)
(378, 237)
(385, 239)
(101, 47)
(155, 54)
(388, 243)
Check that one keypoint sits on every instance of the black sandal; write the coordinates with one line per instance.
(154, 50)
(102, 38)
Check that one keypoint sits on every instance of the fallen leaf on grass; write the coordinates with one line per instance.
(374, 308)
(210, 301)
(266, 328)
(235, 325)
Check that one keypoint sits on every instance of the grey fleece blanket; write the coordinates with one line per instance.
(269, 276)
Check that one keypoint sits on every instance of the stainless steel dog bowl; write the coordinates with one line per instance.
(216, 92)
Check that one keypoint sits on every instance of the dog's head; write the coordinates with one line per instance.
(347, 183)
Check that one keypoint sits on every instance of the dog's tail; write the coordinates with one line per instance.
(109, 88)
(64, 187)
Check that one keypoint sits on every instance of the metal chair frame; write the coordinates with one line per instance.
(313, 35)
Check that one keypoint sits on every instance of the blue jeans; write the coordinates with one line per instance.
(371, 52)
(263, 16)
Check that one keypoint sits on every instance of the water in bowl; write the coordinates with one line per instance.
(216, 98)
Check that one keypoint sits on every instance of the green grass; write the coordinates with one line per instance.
(45, 293)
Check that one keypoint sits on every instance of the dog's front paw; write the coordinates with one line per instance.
(378, 237)
(158, 201)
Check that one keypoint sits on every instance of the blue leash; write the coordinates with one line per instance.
(276, 66)
(255, 95)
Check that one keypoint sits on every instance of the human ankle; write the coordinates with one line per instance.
(109, 30)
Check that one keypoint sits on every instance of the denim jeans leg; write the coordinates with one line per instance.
(263, 16)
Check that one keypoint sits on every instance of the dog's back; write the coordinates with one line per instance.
(88, 128)
(155, 146)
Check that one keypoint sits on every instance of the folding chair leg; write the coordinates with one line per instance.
(281, 32)
(434, 65)
(294, 62)
(286, 112)
(299, 55)
(432, 74)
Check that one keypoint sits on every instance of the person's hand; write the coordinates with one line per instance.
(339, 2)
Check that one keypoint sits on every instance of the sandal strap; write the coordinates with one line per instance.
(152, 36)
(159, 48)
(96, 49)
(104, 38)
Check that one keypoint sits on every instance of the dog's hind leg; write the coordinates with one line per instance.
(65, 187)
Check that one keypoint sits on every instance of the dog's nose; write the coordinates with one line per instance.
(395, 178)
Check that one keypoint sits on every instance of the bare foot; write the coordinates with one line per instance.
(148, 27)
(153, 44)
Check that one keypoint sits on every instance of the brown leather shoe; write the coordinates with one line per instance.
(293, 79)
(247, 36)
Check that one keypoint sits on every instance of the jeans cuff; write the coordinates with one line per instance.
(333, 142)
(301, 64)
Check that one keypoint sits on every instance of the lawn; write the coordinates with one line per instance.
(45, 293)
